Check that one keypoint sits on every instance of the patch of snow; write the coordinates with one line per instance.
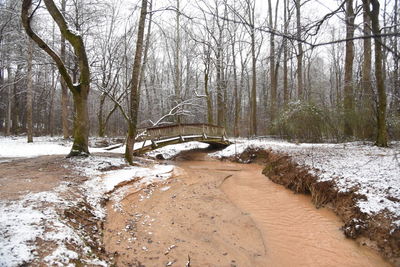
(19, 226)
(61, 256)
(165, 188)
(103, 182)
(120, 150)
(372, 171)
(12, 147)
(171, 151)
(34, 216)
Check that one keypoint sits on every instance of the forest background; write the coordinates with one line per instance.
(304, 70)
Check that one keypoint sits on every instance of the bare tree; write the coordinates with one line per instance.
(80, 91)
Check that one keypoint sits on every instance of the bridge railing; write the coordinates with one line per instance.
(162, 132)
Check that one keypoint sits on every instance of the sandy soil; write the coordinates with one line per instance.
(186, 220)
(21, 176)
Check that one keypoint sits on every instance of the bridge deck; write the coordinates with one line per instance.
(180, 133)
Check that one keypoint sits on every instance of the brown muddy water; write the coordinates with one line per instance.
(295, 233)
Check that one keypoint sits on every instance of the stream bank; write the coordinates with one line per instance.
(375, 231)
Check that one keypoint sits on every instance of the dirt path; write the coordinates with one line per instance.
(19, 177)
(192, 215)
(49, 190)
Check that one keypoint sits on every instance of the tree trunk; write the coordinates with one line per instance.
(210, 119)
(134, 103)
(285, 56)
(64, 88)
(51, 107)
(220, 95)
(15, 103)
(145, 55)
(9, 103)
(1, 86)
(366, 82)
(381, 138)
(178, 82)
(299, 53)
(253, 105)
(396, 85)
(81, 123)
(235, 93)
(100, 116)
(348, 71)
(29, 93)
(274, 93)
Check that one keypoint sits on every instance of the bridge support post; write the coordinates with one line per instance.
(153, 144)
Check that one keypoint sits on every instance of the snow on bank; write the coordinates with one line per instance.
(373, 171)
(36, 216)
(17, 147)
(168, 152)
(101, 183)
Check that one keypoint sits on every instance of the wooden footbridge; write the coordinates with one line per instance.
(157, 137)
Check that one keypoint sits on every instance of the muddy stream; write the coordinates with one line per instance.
(214, 213)
(295, 233)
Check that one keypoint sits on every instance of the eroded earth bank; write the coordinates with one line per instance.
(213, 213)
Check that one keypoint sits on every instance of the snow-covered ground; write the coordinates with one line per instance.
(15, 147)
(374, 171)
(171, 151)
(34, 216)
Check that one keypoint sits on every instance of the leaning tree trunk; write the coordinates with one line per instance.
(80, 91)
(134, 105)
